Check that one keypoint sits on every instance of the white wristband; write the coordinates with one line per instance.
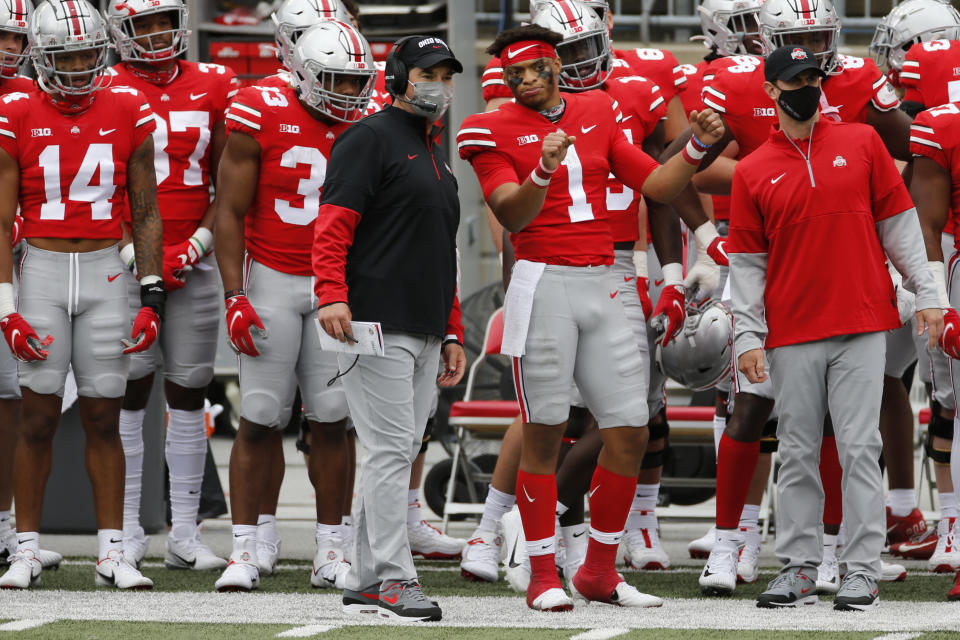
(938, 272)
(129, 258)
(151, 279)
(6, 300)
(672, 274)
(705, 234)
(640, 263)
(204, 238)
(694, 152)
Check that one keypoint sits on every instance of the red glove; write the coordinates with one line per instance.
(950, 338)
(185, 254)
(645, 302)
(23, 341)
(241, 318)
(174, 276)
(718, 251)
(672, 310)
(16, 234)
(146, 327)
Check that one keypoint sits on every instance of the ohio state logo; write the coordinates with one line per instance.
(798, 54)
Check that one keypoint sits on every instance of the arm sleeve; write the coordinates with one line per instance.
(332, 238)
(902, 241)
(747, 248)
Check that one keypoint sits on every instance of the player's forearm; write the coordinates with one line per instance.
(668, 180)
(515, 206)
(665, 232)
(145, 223)
(716, 179)
(230, 244)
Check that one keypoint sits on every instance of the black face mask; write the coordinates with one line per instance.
(800, 104)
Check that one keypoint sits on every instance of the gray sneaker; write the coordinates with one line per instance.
(858, 592)
(404, 601)
(366, 600)
(792, 588)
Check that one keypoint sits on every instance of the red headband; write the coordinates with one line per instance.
(526, 50)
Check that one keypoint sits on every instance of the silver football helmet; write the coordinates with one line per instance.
(728, 24)
(122, 16)
(322, 56)
(812, 23)
(14, 18)
(293, 17)
(702, 355)
(911, 22)
(585, 49)
(64, 27)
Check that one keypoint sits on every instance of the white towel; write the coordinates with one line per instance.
(517, 306)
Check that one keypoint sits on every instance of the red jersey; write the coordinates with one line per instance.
(491, 81)
(935, 133)
(187, 110)
(19, 83)
(73, 169)
(642, 107)
(690, 97)
(858, 83)
(294, 148)
(811, 234)
(281, 78)
(379, 98)
(658, 65)
(931, 72)
(503, 146)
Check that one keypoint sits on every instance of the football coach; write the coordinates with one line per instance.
(385, 251)
(814, 210)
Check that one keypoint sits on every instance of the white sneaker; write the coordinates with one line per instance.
(191, 553)
(748, 564)
(242, 573)
(719, 576)
(268, 552)
(329, 568)
(8, 549)
(702, 546)
(135, 547)
(24, 571)
(552, 600)
(828, 575)
(643, 552)
(115, 571)
(946, 557)
(481, 556)
(427, 541)
(624, 595)
(891, 572)
(516, 564)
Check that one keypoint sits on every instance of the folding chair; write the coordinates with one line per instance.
(479, 419)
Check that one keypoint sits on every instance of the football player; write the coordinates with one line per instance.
(72, 154)
(927, 68)
(273, 180)
(14, 18)
(188, 101)
(558, 231)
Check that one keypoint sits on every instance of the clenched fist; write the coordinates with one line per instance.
(707, 125)
(554, 149)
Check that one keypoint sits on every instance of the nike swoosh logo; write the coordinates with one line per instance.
(193, 493)
(593, 491)
(777, 179)
(115, 541)
(108, 131)
(587, 129)
(112, 278)
(528, 495)
(184, 560)
(657, 283)
(13, 336)
(577, 535)
(614, 295)
(238, 314)
(513, 563)
(627, 278)
(197, 96)
(805, 591)
(411, 157)
(513, 54)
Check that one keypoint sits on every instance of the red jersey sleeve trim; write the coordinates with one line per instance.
(454, 322)
(332, 237)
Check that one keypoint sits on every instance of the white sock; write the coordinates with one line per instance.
(109, 540)
(495, 506)
(643, 507)
(326, 531)
(561, 508)
(244, 533)
(575, 540)
(346, 527)
(5, 524)
(719, 424)
(131, 436)
(728, 538)
(28, 541)
(750, 516)
(901, 501)
(186, 453)
(267, 527)
(948, 505)
(829, 546)
(413, 508)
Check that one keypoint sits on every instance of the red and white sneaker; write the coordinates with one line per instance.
(702, 546)
(427, 541)
(242, 572)
(620, 594)
(480, 559)
(946, 557)
(642, 549)
(548, 596)
(909, 527)
(749, 559)
(954, 593)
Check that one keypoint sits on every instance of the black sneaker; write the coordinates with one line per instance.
(365, 601)
(404, 601)
(791, 588)
(858, 592)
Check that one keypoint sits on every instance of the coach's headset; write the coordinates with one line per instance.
(396, 76)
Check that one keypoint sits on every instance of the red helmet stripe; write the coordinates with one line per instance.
(806, 8)
(328, 6)
(569, 15)
(356, 48)
(19, 11)
(75, 20)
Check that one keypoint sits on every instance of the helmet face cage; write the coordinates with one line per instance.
(123, 17)
(293, 17)
(14, 18)
(585, 49)
(702, 355)
(788, 22)
(322, 56)
(909, 23)
(728, 25)
(65, 27)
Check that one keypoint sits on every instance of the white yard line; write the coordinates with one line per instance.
(898, 636)
(462, 611)
(600, 634)
(307, 631)
(23, 625)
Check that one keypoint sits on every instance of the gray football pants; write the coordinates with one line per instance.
(389, 398)
(844, 375)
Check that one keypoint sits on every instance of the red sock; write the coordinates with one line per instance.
(537, 502)
(831, 474)
(611, 495)
(736, 462)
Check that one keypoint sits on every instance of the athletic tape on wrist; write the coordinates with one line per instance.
(640, 264)
(204, 238)
(672, 274)
(129, 257)
(705, 234)
(6, 300)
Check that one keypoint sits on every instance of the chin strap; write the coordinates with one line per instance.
(159, 77)
(71, 105)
